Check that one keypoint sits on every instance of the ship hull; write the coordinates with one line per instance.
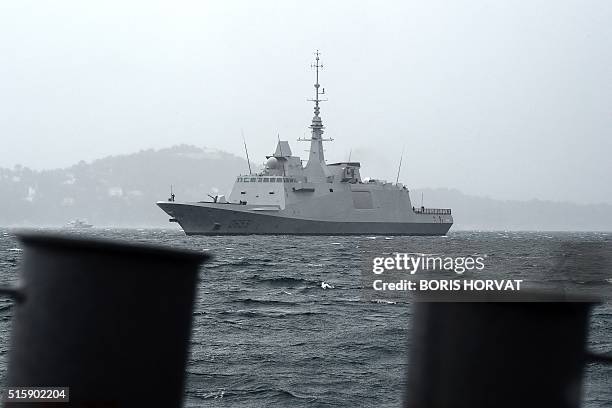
(225, 220)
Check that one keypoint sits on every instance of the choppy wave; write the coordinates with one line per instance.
(265, 302)
(283, 281)
(269, 313)
(266, 334)
(269, 393)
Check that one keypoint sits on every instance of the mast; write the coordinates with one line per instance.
(316, 100)
(316, 158)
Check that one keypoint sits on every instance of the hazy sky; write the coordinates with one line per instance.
(507, 99)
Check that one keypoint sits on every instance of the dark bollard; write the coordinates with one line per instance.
(112, 321)
(500, 354)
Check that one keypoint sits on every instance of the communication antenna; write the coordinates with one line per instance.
(400, 166)
(422, 200)
(246, 151)
(350, 152)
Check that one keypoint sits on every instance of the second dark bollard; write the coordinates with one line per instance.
(499, 354)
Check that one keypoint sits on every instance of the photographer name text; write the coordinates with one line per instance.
(413, 263)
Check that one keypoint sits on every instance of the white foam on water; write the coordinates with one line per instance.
(350, 300)
(387, 302)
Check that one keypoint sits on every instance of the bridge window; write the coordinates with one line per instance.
(243, 192)
(279, 180)
(239, 179)
(259, 179)
(271, 192)
(253, 180)
(266, 180)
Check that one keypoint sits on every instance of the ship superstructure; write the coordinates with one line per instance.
(318, 198)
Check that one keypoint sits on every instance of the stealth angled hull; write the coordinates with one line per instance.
(231, 219)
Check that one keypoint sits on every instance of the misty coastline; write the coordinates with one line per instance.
(120, 192)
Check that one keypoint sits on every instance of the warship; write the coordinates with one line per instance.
(319, 198)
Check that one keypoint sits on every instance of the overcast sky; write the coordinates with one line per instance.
(511, 99)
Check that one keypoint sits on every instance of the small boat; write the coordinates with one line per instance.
(78, 224)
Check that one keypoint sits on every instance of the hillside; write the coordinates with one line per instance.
(483, 213)
(116, 190)
(122, 190)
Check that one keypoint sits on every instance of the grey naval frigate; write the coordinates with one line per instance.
(317, 199)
